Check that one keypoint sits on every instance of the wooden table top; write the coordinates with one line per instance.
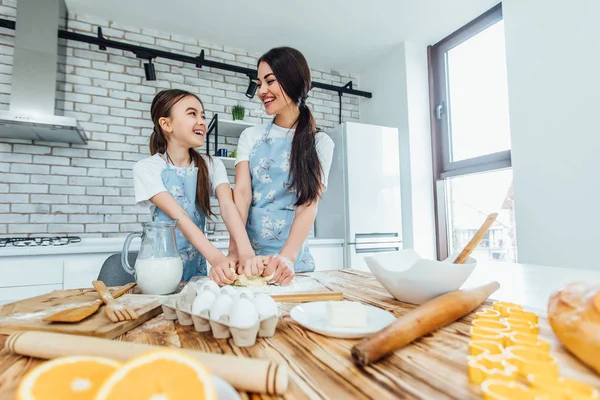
(433, 367)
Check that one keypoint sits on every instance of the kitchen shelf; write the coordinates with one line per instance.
(233, 128)
(228, 161)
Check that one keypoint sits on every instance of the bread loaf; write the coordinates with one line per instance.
(574, 315)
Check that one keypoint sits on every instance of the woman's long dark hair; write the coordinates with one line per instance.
(293, 74)
(161, 108)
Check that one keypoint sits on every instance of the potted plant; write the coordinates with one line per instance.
(238, 112)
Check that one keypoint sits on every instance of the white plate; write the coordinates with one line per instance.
(224, 390)
(313, 316)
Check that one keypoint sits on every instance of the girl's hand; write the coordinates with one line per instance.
(222, 273)
(233, 256)
(251, 265)
(282, 268)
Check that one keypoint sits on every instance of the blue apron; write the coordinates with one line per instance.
(272, 209)
(181, 183)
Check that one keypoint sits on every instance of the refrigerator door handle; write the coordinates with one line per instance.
(376, 237)
(377, 250)
(373, 235)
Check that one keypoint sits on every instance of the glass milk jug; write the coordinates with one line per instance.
(158, 267)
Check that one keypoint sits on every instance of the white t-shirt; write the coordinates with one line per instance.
(147, 180)
(251, 135)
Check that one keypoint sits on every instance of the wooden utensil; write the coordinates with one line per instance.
(466, 252)
(420, 321)
(116, 311)
(77, 314)
(306, 297)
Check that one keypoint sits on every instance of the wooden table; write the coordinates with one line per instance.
(433, 367)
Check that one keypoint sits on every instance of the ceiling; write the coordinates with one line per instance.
(344, 35)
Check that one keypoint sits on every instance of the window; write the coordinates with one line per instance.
(470, 199)
(471, 139)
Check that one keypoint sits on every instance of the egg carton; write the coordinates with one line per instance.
(226, 312)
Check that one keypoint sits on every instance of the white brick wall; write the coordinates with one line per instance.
(57, 188)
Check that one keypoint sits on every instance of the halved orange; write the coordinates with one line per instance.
(73, 377)
(160, 374)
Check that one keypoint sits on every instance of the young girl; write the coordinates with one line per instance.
(282, 168)
(176, 182)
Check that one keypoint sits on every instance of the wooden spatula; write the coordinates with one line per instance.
(77, 314)
(466, 252)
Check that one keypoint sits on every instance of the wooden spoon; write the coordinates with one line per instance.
(466, 252)
(77, 314)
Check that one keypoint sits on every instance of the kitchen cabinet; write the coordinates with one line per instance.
(15, 293)
(23, 277)
(35, 271)
(327, 257)
(80, 271)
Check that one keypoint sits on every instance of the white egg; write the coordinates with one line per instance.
(243, 314)
(228, 290)
(208, 285)
(221, 307)
(244, 293)
(204, 300)
(265, 305)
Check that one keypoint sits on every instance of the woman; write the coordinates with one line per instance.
(281, 169)
(176, 182)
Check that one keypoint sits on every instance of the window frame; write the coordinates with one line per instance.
(443, 167)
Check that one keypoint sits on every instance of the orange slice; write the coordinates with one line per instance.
(161, 374)
(75, 377)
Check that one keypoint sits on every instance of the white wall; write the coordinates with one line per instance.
(400, 87)
(553, 64)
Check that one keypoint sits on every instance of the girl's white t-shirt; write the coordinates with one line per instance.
(147, 180)
(252, 134)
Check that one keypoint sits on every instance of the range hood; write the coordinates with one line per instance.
(35, 61)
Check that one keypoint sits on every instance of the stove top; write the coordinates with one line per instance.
(39, 241)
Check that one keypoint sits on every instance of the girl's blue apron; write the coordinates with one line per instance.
(181, 183)
(272, 209)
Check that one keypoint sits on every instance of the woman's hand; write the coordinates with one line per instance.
(250, 265)
(222, 272)
(282, 268)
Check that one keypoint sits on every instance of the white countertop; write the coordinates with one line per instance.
(115, 245)
(527, 284)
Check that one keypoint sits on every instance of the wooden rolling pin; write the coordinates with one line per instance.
(245, 374)
(430, 316)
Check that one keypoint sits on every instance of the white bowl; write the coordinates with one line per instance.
(412, 279)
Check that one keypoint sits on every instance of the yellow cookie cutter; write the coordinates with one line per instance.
(527, 340)
(568, 387)
(488, 335)
(531, 361)
(494, 389)
(503, 306)
(484, 326)
(488, 313)
(477, 347)
(521, 325)
(519, 313)
(490, 366)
